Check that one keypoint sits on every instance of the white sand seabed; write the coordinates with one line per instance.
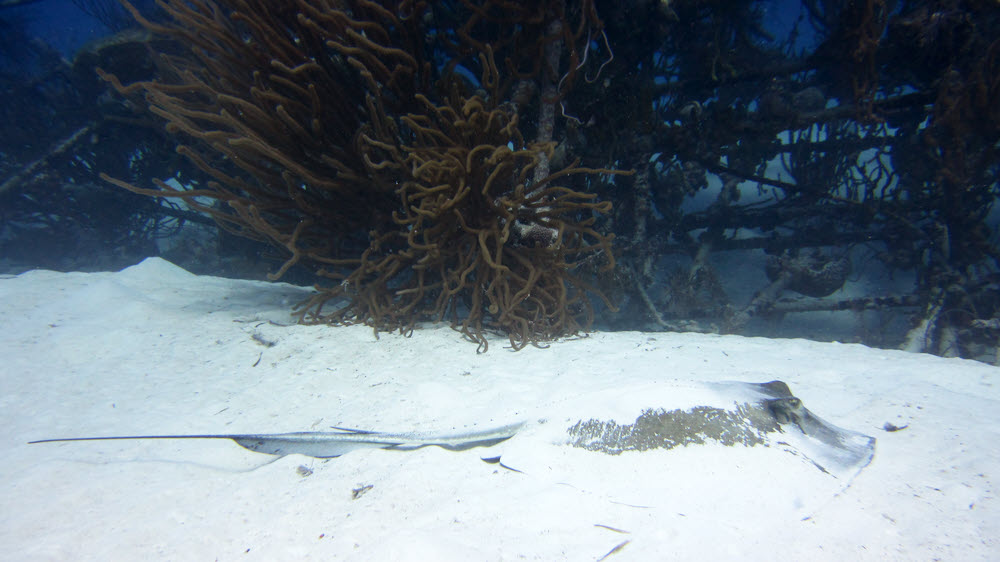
(156, 350)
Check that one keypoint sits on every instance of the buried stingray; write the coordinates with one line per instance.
(747, 415)
(721, 428)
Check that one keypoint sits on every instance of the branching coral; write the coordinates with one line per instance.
(456, 250)
(317, 121)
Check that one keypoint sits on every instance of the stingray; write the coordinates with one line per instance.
(637, 444)
(756, 410)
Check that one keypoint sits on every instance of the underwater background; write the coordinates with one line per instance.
(823, 169)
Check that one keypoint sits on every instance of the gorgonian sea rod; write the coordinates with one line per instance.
(333, 130)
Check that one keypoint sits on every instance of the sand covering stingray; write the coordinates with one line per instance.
(710, 424)
(767, 409)
(637, 453)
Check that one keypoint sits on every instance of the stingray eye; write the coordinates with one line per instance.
(784, 409)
